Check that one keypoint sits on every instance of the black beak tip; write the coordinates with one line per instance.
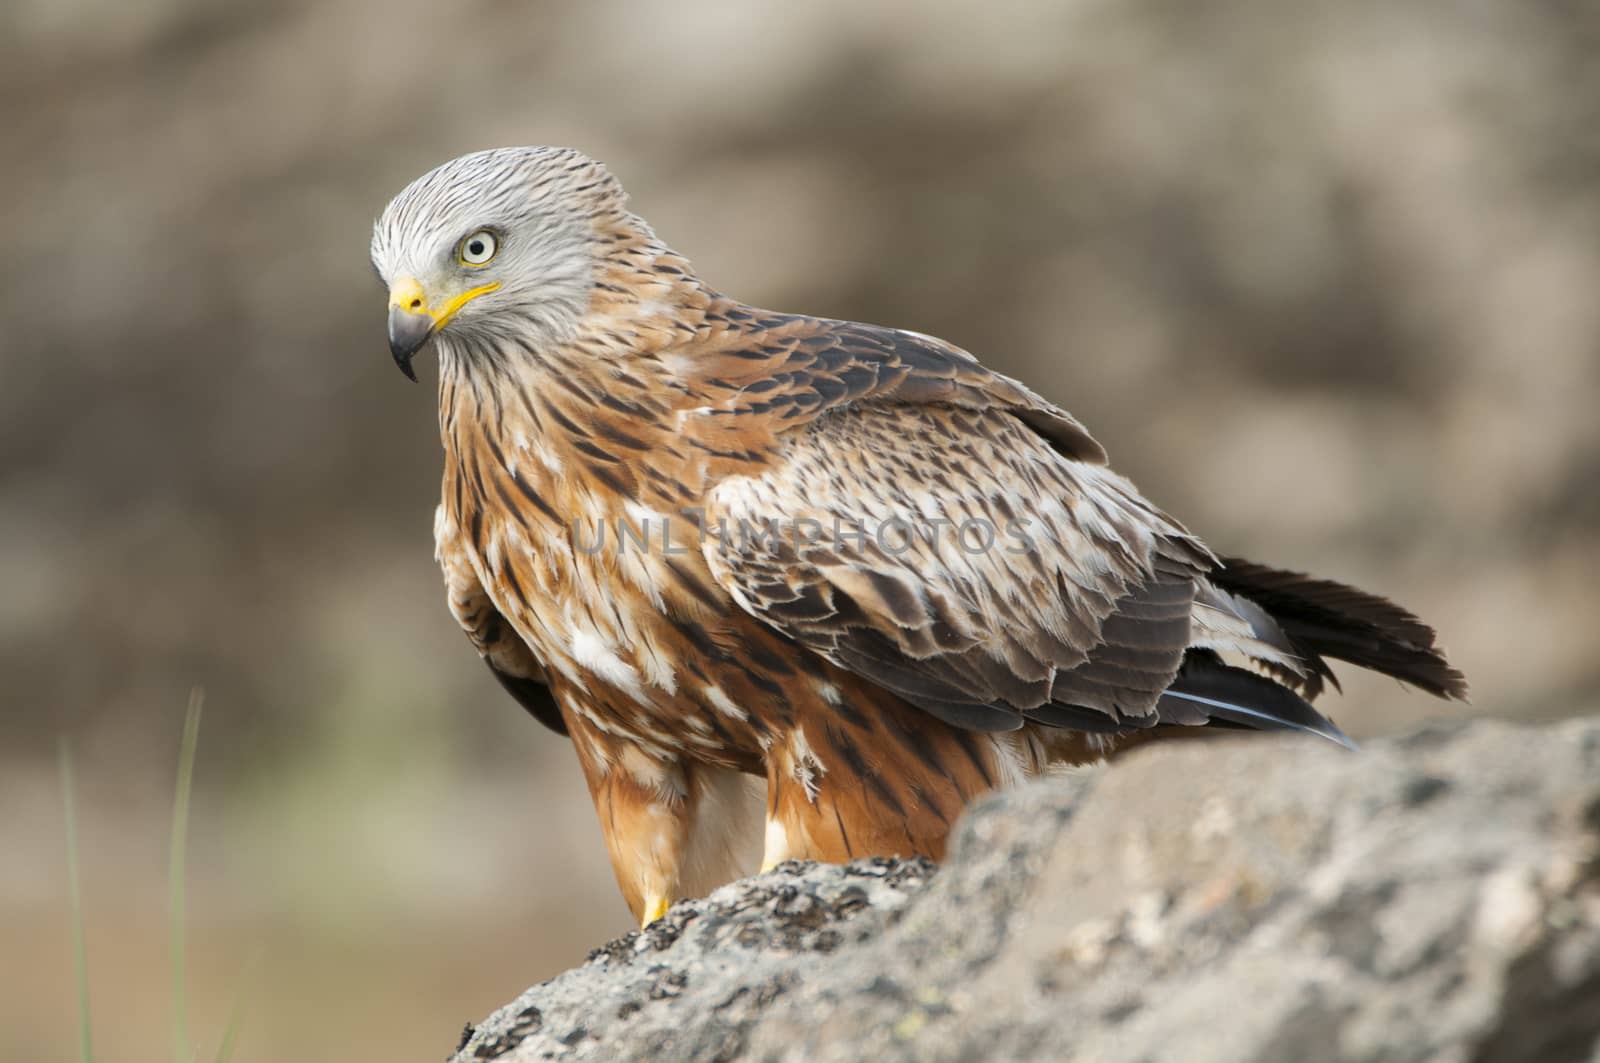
(408, 331)
(403, 360)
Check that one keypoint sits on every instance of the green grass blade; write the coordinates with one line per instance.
(230, 1033)
(175, 879)
(80, 950)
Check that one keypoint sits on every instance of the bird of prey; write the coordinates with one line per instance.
(727, 550)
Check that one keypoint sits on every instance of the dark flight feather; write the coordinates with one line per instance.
(533, 695)
(1235, 696)
(1327, 619)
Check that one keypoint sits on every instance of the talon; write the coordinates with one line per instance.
(654, 908)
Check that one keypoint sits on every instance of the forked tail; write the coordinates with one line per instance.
(1316, 619)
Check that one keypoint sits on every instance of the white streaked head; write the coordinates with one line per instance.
(496, 247)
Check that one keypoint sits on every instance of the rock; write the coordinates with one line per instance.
(1436, 897)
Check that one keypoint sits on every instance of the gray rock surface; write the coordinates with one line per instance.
(1436, 897)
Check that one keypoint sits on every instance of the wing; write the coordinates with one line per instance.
(946, 533)
(507, 656)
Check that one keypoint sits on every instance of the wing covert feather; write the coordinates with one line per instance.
(957, 558)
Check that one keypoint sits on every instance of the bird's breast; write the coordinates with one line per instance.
(611, 593)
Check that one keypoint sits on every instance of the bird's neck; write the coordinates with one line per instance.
(624, 413)
(631, 406)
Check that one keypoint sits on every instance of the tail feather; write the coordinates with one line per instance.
(1327, 619)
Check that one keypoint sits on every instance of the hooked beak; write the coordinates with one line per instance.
(408, 331)
(412, 321)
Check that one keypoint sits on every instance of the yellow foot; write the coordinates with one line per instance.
(654, 908)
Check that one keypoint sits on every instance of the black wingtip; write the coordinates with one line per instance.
(1258, 720)
(1244, 699)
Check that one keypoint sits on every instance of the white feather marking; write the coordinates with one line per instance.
(1010, 761)
(636, 565)
(775, 849)
(721, 702)
(664, 780)
(546, 456)
(566, 667)
(803, 764)
(679, 365)
(491, 553)
(594, 654)
(657, 668)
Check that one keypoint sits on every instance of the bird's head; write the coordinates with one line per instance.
(494, 248)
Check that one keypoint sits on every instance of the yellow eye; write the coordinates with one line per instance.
(478, 249)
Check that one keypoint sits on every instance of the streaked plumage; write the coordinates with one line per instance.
(764, 628)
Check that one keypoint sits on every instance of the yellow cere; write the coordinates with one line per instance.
(407, 294)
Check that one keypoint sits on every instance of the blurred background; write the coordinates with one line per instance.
(1323, 277)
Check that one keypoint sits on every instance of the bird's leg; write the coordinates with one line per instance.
(827, 801)
(781, 841)
(806, 820)
(646, 813)
(793, 806)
